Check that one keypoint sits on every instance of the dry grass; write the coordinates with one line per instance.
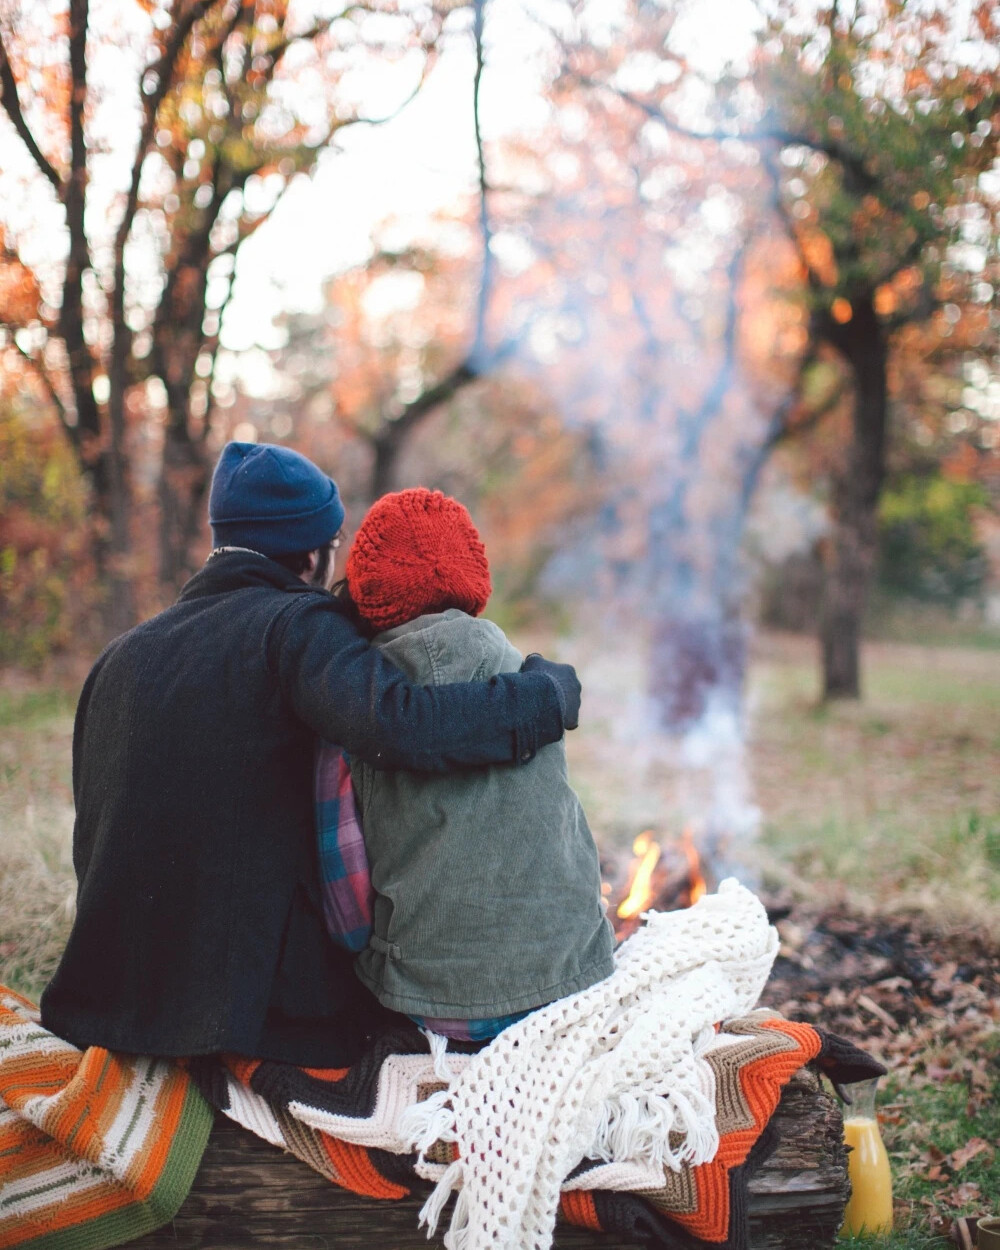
(894, 803)
(36, 822)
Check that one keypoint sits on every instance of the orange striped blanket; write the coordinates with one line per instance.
(97, 1149)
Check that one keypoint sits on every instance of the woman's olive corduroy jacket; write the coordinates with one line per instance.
(198, 925)
(487, 882)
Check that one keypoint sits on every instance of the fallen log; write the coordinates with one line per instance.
(248, 1193)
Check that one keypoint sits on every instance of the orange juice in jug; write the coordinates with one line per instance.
(870, 1207)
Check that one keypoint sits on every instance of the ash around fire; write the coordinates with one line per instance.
(900, 988)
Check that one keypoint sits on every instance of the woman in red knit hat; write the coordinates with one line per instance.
(475, 896)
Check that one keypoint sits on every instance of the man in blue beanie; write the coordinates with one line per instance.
(199, 924)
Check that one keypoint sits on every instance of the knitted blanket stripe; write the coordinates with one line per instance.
(748, 1088)
(95, 1148)
(753, 1058)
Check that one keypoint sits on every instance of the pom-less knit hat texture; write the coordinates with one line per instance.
(417, 551)
(272, 500)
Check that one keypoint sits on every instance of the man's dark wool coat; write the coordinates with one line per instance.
(199, 924)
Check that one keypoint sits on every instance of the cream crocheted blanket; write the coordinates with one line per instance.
(616, 1073)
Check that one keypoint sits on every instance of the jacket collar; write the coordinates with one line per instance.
(238, 569)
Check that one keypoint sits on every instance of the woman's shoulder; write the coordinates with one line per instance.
(450, 646)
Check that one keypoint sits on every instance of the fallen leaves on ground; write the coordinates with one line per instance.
(921, 1001)
(926, 1003)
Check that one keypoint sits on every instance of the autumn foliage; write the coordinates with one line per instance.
(46, 564)
(628, 320)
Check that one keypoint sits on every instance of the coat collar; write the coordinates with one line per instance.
(238, 569)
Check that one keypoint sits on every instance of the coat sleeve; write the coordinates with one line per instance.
(348, 693)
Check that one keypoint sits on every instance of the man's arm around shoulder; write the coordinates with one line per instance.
(347, 692)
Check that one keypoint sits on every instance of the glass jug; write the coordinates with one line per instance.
(870, 1208)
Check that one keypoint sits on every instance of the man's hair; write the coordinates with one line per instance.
(298, 561)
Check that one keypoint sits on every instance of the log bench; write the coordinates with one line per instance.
(248, 1193)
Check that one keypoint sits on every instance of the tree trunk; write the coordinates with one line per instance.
(178, 338)
(121, 606)
(849, 554)
(390, 440)
(248, 1193)
(181, 490)
(387, 447)
(112, 539)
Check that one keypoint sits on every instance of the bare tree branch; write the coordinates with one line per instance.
(850, 161)
(278, 49)
(241, 14)
(477, 354)
(12, 107)
(164, 73)
(45, 378)
(780, 428)
(81, 363)
(778, 204)
(429, 63)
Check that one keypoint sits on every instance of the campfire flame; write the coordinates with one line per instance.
(640, 895)
(697, 886)
(658, 878)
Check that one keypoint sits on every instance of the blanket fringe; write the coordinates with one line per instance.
(427, 1122)
(433, 1120)
(439, 1055)
(430, 1212)
(637, 1128)
(459, 1234)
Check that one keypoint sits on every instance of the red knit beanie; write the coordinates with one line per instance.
(417, 551)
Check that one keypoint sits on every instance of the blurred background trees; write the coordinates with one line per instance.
(679, 316)
(159, 140)
(887, 123)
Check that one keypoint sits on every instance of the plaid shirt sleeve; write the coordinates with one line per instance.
(345, 879)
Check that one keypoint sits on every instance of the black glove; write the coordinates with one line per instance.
(566, 682)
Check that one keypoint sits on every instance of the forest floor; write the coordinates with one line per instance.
(875, 827)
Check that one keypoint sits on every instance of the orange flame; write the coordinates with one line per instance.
(640, 895)
(697, 886)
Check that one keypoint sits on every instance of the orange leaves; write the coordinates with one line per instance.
(965, 1154)
(818, 252)
(46, 579)
(985, 17)
(20, 296)
(900, 292)
(916, 78)
(885, 301)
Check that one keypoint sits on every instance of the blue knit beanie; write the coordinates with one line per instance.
(272, 500)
